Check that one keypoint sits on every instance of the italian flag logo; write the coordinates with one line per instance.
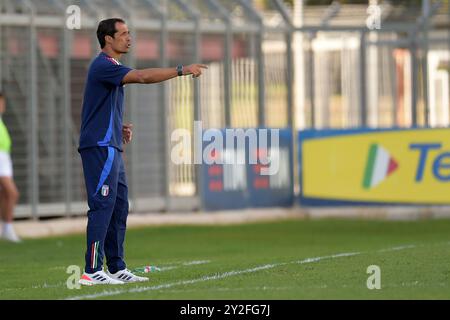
(380, 165)
(94, 254)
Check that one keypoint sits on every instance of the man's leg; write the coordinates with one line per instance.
(8, 200)
(117, 227)
(2, 201)
(9, 196)
(116, 234)
(100, 168)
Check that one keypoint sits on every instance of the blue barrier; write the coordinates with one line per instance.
(273, 190)
(237, 186)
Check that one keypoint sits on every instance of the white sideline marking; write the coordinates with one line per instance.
(168, 268)
(232, 289)
(185, 264)
(212, 277)
(108, 293)
(196, 262)
(411, 246)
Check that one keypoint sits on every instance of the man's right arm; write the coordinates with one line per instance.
(156, 75)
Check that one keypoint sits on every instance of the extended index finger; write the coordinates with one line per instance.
(203, 66)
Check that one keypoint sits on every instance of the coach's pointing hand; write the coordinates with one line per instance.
(127, 133)
(194, 69)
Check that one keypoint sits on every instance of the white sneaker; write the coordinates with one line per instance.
(100, 277)
(9, 235)
(126, 276)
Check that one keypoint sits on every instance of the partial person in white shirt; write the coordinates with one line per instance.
(9, 194)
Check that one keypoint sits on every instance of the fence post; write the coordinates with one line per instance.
(363, 79)
(33, 151)
(425, 48)
(312, 79)
(414, 81)
(66, 100)
(164, 38)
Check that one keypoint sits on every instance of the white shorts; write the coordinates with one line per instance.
(6, 169)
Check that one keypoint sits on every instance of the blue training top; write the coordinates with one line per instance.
(102, 115)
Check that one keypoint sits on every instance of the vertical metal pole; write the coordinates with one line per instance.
(289, 38)
(300, 65)
(249, 8)
(312, 77)
(165, 104)
(261, 78)
(227, 59)
(425, 48)
(33, 154)
(227, 74)
(363, 79)
(132, 103)
(194, 15)
(197, 106)
(65, 77)
(6, 56)
(393, 73)
(289, 80)
(414, 82)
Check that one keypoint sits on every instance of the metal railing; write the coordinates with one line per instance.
(263, 71)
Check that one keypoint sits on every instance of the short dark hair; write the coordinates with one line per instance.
(107, 28)
(1, 95)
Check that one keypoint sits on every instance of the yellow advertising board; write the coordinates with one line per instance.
(395, 166)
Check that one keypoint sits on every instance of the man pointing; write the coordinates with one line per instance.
(101, 138)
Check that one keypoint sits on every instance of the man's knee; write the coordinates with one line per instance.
(15, 195)
(10, 194)
(122, 206)
(121, 211)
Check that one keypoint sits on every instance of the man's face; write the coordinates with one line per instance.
(2, 105)
(121, 42)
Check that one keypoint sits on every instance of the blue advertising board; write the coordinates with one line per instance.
(254, 168)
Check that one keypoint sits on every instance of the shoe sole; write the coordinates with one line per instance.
(86, 283)
(130, 281)
(90, 283)
(134, 281)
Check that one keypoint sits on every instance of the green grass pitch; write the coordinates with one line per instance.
(298, 259)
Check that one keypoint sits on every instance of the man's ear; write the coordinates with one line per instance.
(108, 39)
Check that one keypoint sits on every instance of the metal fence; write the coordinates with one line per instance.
(381, 77)
(318, 68)
(43, 69)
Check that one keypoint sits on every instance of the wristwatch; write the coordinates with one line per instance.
(180, 70)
